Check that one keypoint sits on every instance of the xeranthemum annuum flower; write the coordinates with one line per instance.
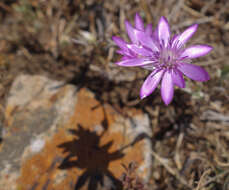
(165, 56)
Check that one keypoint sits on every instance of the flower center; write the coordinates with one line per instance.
(167, 58)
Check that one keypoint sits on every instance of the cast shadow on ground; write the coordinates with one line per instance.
(85, 152)
(172, 119)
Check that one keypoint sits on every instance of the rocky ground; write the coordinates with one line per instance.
(58, 137)
(72, 119)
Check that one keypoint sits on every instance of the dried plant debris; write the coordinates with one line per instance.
(130, 179)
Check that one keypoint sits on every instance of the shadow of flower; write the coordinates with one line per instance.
(85, 152)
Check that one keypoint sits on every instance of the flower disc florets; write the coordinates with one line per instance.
(166, 57)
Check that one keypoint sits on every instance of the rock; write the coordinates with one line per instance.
(56, 137)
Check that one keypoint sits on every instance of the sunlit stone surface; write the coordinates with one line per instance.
(56, 137)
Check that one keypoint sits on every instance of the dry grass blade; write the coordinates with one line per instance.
(171, 170)
(214, 178)
(201, 181)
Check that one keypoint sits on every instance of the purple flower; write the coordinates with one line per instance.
(165, 56)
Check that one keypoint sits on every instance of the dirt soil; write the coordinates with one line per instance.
(191, 135)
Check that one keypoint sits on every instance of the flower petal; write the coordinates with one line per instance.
(120, 42)
(163, 31)
(125, 58)
(133, 62)
(127, 53)
(194, 72)
(178, 79)
(151, 83)
(149, 29)
(196, 51)
(167, 88)
(138, 22)
(146, 40)
(139, 50)
(131, 31)
(185, 36)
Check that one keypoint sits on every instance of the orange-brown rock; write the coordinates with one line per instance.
(57, 138)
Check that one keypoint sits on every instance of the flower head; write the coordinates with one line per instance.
(165, 56)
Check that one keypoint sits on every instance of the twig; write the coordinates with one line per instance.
(177, 155)
(202, 177)
(190, 22)
(175, 11)
(172, 171)
(210, 115)
(212, 62)
(192, 11)
(215, 178)
(221, 164)
(206, 7)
